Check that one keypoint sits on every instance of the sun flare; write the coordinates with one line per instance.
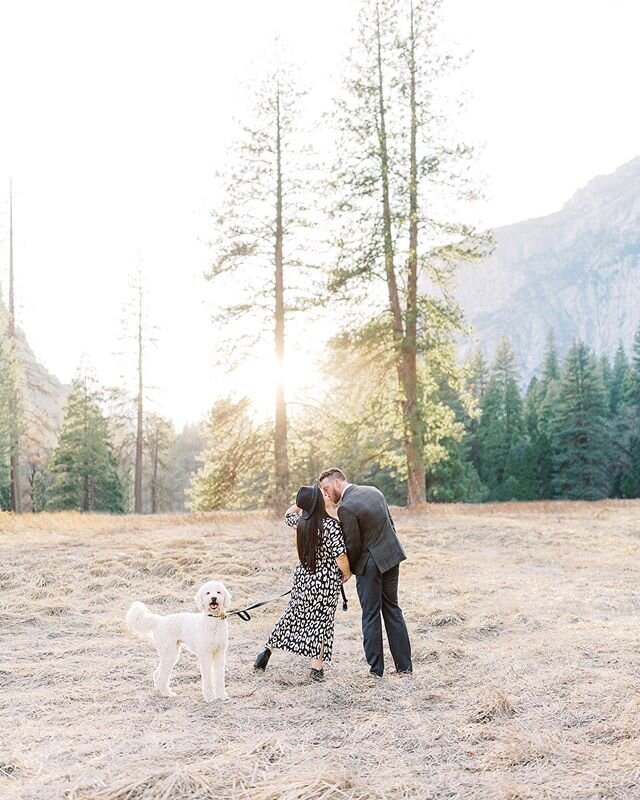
(260, 378)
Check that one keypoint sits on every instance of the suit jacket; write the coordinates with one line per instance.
(368, 528)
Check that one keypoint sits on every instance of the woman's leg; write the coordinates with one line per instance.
(318, 663)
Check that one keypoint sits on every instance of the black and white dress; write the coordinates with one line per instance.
(307, 622)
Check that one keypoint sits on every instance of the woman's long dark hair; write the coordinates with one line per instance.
(309, 535)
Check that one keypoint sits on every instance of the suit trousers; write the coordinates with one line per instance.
(378, 594)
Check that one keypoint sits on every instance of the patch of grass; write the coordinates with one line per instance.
(523, 620)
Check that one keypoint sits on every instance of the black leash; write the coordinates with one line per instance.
(243, 612)
(244, 615)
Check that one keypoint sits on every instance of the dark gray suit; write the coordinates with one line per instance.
(375, 554)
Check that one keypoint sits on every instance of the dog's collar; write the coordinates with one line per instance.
(217, 616)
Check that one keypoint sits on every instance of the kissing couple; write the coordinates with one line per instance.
(342, 529)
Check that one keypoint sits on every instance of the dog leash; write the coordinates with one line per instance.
(244, 615)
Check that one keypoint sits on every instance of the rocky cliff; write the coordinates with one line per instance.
(576, 271)
(44, 399)
(46, 395)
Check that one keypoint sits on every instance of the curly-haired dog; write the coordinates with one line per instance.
(205, 634)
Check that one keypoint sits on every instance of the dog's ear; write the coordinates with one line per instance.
(227, 598)
(198, 599)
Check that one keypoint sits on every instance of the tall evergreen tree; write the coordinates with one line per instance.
(627, 434)
(550, 365)
(11, 416)
(183, 462)
(632, 382)
(618, 374)
(477, 375)
(621, 420)
(630, 479)
(83, 463)
(580, 433)
(15, 396)
(235, 471)
(159, 440)
(501, 431)
(394, 169)
(262, 234)
(137, 479)
(6, 391)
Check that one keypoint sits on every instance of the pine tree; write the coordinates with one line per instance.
(630, 480)
(501, 431)
(531, 403)
(83, 464)
(184, 462)
(621, 421)
(15, 396)
(262, 241)
(550, 366)
(620, 368)
(539, 404)
(6, 392)
(11, 418)
(580, 434)
(627, 436)
(394, 169)
(159, 438)
(235, 472)
(477, 375)
(606, 374)
(632, 393)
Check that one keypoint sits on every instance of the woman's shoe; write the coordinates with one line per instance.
(262, 660)
(317, 674)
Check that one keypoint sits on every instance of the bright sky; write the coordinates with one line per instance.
(116, 117)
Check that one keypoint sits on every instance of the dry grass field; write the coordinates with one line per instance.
(525, 625)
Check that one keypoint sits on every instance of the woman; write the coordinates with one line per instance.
(306, 627)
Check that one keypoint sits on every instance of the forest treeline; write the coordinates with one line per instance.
(573, 433)
(369, 233)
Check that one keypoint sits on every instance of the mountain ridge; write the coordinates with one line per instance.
(576, 270)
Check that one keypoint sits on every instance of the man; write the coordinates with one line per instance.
(374, 556)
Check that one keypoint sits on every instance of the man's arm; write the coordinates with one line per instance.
(351, 531)
(391, 518)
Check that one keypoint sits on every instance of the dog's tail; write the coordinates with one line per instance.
(140, 619)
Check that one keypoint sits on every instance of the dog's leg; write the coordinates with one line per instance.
(168, 657)
(206, 662)
(218, 674)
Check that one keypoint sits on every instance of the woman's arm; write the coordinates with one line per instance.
(291, 516)
(343, 565)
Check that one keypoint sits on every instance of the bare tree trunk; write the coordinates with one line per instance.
(404, 339)
(392, 284)
(155, 449)
(16, 493)
(137, 488)
(86, 500)
(280, 444)
(412, 423)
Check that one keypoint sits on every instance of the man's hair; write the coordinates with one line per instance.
(334, 472)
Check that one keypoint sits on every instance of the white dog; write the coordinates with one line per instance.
(205, 634)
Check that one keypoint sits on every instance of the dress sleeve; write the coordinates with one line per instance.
(336, 540)
(292, 519)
